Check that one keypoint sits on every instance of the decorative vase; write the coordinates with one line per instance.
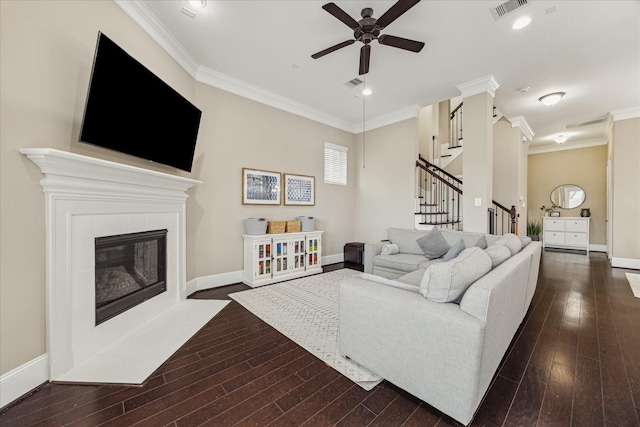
(585, 212)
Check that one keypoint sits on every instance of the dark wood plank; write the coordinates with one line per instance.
(573, 362)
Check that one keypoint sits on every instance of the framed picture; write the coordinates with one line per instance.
(554, 213)
(299, 190)
(260, 187)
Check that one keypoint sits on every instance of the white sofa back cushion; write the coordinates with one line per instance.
(406, 240)
(511, 241)
(447, 281)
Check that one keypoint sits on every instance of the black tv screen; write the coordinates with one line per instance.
(129, 109)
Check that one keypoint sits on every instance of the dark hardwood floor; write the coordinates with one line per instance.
(575, 361)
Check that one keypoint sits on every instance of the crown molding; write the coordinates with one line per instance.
(399, 116)
(487, 84)
(626, 113)
(520, 122)
(562, 147)
(145, 19)
(229, 84)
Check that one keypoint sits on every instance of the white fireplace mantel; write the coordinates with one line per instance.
(88, 198)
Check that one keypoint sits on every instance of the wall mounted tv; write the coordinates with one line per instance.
(129, 109)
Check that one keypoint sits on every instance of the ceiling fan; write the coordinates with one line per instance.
(368, 29)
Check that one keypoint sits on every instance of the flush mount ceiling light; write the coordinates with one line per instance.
(521, 22)
(198, 4)
(551, 98)
(561, 139)
(367, 91)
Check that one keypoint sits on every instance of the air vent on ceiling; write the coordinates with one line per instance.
(507, 8)
(590, 122)
(353, 83)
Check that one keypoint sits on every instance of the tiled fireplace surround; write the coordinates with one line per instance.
(88, 198)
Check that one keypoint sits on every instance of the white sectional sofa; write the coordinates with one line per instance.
(440, 332)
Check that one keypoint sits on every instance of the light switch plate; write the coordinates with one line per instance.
(478, 201)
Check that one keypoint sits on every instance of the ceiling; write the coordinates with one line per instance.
(262, 49)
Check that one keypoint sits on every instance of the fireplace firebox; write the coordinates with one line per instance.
(129, 269)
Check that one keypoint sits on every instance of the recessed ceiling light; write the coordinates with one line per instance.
(521, 22)
(551, 98)
(367, 91)
(198, 4)
(190, 13)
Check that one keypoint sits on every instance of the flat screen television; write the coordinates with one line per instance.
(130, 110)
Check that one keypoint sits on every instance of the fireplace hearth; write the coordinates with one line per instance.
(130, 269)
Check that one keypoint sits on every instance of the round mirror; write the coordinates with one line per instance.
(568, 196)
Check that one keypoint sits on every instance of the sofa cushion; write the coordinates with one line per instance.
(511, 241)
(454, 251)
(498, 254)
(393, 283)
(525, 240)
(406, 240)
(452, 236)
(426, 263)
(447, 281)
(433, 244)
(401, 262)
(482, 243)
(414, 278)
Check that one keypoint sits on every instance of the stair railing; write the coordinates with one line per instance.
(440, 196)
(455, 127)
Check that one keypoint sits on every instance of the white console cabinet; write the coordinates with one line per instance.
(568, 233)
(271, 258)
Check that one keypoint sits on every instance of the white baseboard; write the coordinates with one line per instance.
(625, 263)
(23, 379)
(598, 248)
(223, 279)
(332, 259)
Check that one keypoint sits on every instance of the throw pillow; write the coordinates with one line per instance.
(482, 242)
(454, 251)
(390, 249)
(448, 281)
(498, 254)
(511, 241)
(433, 244)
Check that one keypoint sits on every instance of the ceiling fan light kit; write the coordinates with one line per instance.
(368, 29)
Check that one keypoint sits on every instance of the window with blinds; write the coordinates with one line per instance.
(335, 164)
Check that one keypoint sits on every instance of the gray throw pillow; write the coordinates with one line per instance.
(498, 254)
(433, 244)
(511, 241)
(448, 281)
(481, 243)
(454, 251)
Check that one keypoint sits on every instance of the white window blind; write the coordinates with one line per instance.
(335, 164)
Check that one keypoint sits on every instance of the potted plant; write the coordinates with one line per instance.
(548, 209)
(534, 228)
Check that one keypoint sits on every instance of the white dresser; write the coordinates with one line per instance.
(565, 232)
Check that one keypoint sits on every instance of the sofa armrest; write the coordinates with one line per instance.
(432, 350)
(371, 250)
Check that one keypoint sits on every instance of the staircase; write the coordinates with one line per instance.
(439, 202)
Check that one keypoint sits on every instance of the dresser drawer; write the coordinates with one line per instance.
(575, 238)
(554, 237)
(554, 224)
(576, 225)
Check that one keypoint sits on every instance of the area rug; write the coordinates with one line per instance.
(634, 281)
(306, 311)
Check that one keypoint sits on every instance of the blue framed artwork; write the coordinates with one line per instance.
(299, 190)
(260, 187)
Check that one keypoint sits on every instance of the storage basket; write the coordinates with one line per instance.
(308, 223)
(255, 226)
(293, 226)
(276, 227)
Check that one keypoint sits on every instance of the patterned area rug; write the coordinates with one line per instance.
(306, 311)
(634, 282)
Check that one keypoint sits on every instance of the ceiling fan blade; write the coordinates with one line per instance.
(365, 57)
(333, 48)
(399, 42)
(395, 12)
(333, 9)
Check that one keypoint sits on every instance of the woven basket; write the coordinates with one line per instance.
(293, 226)
(276, 227)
